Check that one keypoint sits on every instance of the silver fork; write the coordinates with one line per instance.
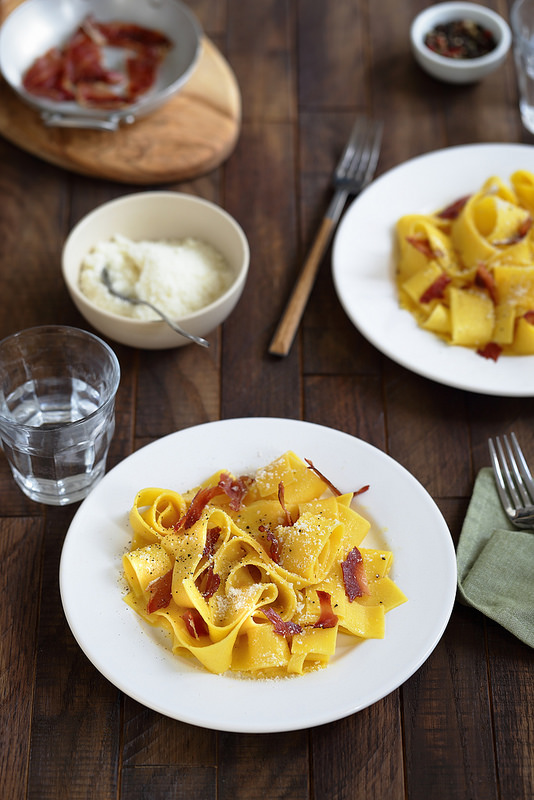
(354, 171)
(513, 480)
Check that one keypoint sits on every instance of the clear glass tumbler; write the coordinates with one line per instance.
(57, 410)
(522, 22)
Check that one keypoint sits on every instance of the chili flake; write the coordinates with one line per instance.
(460, 39)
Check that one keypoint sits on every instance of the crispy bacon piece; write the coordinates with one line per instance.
(491, 351)
(45, 77)
(435, 290)
(198, 504)
(78, 72)
(327, 618)
(195, 623)
(282, 628)
(275, 549)
(212, 535)
(423, 245)
(452, 211)
(521, 232)
(281, 498)
(330, 485)
(141, 70)
(236, 489)
(90, 94)
(354, 576)
(82, 62)
(485, 279)
(161, 591)
(525, 226)
(209, 582)
(133, 37)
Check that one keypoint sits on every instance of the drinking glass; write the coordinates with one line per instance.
(522, 21)
(57, 410)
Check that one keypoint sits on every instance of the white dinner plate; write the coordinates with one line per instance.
(363, 265)
(137, 660)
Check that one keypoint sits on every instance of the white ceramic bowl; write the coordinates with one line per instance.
(157, 216)
(452, 70)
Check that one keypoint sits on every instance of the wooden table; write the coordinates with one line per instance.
(461, 727)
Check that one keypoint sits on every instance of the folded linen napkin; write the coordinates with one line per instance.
(496, 562)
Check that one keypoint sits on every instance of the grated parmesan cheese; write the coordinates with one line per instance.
(179, 277)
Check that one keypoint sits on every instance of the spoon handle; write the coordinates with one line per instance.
(136, 301)
(198, 339)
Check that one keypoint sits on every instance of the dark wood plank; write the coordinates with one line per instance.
(439, 461)
(263, 765)
(361, 755)
(21, 542)
(76, 712)
(153, 740)
(250, 376)
(333, 49)
(512, 693)
(168, 783)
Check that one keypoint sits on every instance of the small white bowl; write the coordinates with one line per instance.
(157, 216)
(461, 70)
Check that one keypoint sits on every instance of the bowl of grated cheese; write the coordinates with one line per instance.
(181, 253)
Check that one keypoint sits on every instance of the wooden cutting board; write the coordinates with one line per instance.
(191, 134)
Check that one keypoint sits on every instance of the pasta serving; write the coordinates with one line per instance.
(257, 575)
(466, 272)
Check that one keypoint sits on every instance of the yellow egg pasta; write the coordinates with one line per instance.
(466, 272)
(258, 575)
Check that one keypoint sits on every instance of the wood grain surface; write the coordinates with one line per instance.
(461, 727)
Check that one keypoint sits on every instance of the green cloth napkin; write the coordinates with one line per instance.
(496, 562)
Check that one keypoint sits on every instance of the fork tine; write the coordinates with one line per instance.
(351, 147)
(512, 478)
(522, 468)
(360, 158)
(496, 463)
(375, 152)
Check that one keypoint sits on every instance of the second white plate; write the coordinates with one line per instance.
(363, 265)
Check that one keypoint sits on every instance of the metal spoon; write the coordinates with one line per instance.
(136, 301)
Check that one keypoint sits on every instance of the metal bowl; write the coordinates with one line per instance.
(37, 25)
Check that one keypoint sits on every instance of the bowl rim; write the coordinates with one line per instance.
(72, 283)
(447, 11)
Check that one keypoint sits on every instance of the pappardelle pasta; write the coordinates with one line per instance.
(257, 575)
(466, 272)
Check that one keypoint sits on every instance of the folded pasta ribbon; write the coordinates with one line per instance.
(467, 273)
(252, 575)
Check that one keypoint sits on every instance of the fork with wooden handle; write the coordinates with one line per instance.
(354, 171)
